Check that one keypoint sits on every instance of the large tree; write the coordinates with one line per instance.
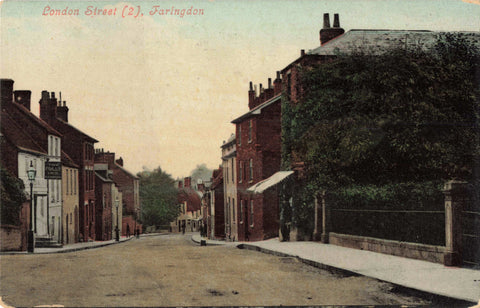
(158, 196)
(201, 172)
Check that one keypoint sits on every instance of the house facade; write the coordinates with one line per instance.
(70, 197)
(230, 188)
(258, 146)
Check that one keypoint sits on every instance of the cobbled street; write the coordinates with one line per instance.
(170, 270)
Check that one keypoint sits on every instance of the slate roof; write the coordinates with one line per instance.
(378, 41)
(258, 109)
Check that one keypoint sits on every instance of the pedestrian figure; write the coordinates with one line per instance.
(138, 233)
(183, 227)
(128, 231)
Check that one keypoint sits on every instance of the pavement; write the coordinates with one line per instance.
(434, 278)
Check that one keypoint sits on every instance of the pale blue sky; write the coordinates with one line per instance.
(162, 90)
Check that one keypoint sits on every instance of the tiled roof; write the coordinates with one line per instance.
(67, 161)
(189, 195)
(258, 109)
(17, 136)
(31, 117)
(103, 179)
(218, 178)
(126, 171)
(68, 128)
(378, 41)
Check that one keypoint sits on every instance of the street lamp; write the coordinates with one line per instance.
(31, 173)
(117, 234)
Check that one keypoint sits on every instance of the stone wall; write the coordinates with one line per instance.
(396, 248)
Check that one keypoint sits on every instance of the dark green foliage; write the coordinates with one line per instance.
(12, 198)
(391, 118)
(158, 196)
(381, 120)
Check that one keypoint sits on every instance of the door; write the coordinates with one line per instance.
(41, 219)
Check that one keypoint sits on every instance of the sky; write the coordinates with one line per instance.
(162, 90)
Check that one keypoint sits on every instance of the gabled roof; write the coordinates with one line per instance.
(190, 196)
(18, 137)
(68, 161)
(126, 171)
(30, 116)
(69, 128)
(257, 110)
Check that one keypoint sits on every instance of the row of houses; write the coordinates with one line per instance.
(249, 206)
(75, 193)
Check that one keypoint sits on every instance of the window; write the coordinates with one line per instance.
(251, 169)
(50, 145)
(240, 170)
(233, 173)
(241, 211)
(250, 125)
(67, 182)
(75, 181)
(56, 147)
(71, 181)
(239, 134)
(251, 213)
(58, 189)
(234, 219)
(70, 218)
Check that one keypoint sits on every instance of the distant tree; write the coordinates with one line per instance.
(158, 197)
(201, 172)
(12, 198)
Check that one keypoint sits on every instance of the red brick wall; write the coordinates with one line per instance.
(130, 222)
(10, 238)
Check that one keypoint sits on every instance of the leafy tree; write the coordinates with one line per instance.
(158, 196)
(201, 172)
(12, 198)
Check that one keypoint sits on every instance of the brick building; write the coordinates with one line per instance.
(128, 185)
(216, 208)
(258, 146)
(80, 147)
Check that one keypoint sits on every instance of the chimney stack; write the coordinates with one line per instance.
(22, 97)
(302, 52)
(48, 107)
(62, 111)
(269, 92)
(251, 96)
(327, 33)
(180, 184)
(277, 85)
(188, 182)
(119, 161)
(7, 90)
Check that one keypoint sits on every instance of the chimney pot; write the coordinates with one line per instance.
(269, 83)
(251, 86)
(278, 74)
(336, 21)
(302, 52)
(326, 21)
(53, 94)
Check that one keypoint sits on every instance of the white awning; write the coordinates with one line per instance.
(260, 187)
